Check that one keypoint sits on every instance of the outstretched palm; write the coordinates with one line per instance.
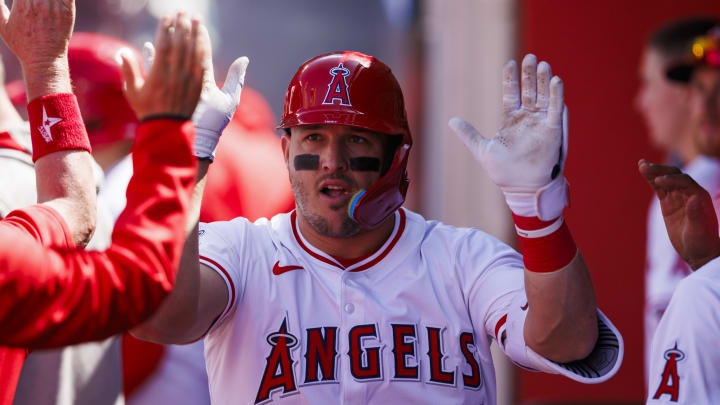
(688, 212)
(528, 152)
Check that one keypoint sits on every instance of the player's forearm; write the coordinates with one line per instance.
(176, 319)
(47, 77)
(65, 182)
(63, 170)
(561, 324)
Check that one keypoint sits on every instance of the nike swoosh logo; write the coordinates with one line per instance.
(524, 307)
(278, 269)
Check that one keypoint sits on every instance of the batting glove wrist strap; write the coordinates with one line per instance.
(546, 203)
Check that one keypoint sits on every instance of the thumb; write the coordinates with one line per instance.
(235, 79)
(132, 77)
(469, 135)
(148, 53)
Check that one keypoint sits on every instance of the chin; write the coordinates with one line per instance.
(334, 225)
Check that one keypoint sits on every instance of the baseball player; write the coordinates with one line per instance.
(59, 296)
(664, 104)
(684, 358)
(352, 298)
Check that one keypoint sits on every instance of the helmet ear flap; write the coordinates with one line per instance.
(391, 146)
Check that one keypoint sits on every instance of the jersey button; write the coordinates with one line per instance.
(349, 308)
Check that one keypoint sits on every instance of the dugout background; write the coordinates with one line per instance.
(448, 56)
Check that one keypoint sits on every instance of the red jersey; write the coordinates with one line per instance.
(62, 295)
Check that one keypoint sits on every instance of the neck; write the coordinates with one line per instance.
(365, 242)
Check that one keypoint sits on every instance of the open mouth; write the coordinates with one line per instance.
(334, 191)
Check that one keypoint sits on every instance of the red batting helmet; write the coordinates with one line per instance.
(350, 88)
(98, 84)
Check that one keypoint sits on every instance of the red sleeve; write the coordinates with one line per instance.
(41, 223)
(61, 296)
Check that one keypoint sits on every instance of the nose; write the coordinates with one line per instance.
(334, 157)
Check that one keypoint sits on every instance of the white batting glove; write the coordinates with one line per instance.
(216, 106)
(527, 155)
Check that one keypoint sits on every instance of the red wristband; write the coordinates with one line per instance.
(56, 124)
(546, 246)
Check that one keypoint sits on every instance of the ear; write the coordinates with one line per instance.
(285, 142)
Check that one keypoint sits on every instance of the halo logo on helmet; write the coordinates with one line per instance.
(377, 105)
(338, 88)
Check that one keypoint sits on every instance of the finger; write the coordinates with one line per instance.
(196, 57)
(207, 63)
(235, 79)
(565, 140)
(181, 40)
(556, 106)
(544, 74)
(469, 135)
(649, 169)
(511, 96)
(191, 42)
(528, 81)
(148, 52)
(132, 77)
(676, 182)
(162, 43)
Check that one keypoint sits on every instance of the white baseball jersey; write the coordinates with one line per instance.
(685, 355)
(664, 268)
(410, 323)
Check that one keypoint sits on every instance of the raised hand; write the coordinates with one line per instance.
(38, 33)
(174, 82)
(527, 155)
(688, 212)
(216, 106)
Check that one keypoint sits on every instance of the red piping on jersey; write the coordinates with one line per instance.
(7, 142)
(499, 325)
(401, 228)
(382, 255)
(227, 275)
(293, 216)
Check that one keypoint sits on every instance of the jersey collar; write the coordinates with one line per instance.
(367, 261)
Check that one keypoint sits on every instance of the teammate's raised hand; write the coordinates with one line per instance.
(527, 155)
(37, 31)
(216, 106)
(174, 82)
(688, 212)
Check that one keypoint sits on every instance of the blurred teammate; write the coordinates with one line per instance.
(684, 360)
(65, 296)
(352, 298)
(665, 105)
